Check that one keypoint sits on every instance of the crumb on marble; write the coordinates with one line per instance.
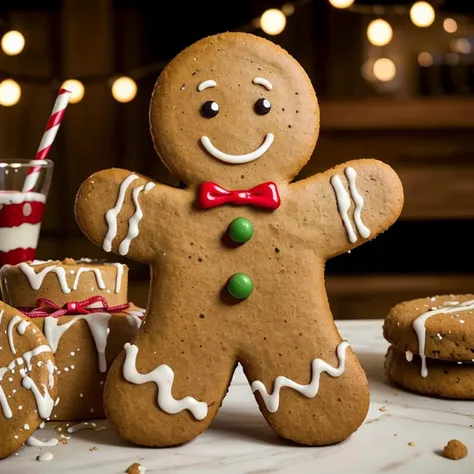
(383, 409)
(411, 444)
(94, 448)
(136, 468)
(455, 450)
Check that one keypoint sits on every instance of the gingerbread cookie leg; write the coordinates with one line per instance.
(157, 394)
(324, 391)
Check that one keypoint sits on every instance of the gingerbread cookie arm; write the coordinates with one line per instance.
(124, 213)
(349, 204)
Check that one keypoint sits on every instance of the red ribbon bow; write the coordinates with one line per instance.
(44, 307)
(264, 195)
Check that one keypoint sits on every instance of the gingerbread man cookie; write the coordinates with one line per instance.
(237, 257)
(28, 380)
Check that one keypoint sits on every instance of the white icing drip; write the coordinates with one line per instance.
(97, 273)
(44, 402)
(419, 325)
(111, 214)
(22, 327)
(13, 322)
(351, 175)
(45, 457)
(263, 82)
(272, 400)
(27, 356)
(98, 325)
(118, 278)
(1, 315)
(409, 356)
(237, 159)
(133, 222)
(133, 319)
(163, 377)
(81, 426)
(36, 279)
(38, 443)
(205, 84)
(343, 204)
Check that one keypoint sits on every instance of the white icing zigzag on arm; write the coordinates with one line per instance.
(344, 202)
(163, 377)
(272, 400)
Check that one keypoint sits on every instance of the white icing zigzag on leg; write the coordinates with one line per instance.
(163, 377)
(272, 400)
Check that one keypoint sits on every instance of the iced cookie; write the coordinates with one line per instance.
(438, 327)
(447, 379)
(237, 256)
(28, 383)
(85, 343)
(63, 281)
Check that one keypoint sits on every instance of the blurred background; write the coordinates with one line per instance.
(395, 82)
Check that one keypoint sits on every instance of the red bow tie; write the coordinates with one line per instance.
(264, 195)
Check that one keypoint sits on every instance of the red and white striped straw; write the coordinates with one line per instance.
(49, 135)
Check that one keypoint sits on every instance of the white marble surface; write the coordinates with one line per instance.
(240, 442)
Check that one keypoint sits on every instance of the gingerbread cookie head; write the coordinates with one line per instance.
(234, 108)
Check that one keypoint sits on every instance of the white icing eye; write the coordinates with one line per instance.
(262, 106)
(209, 109)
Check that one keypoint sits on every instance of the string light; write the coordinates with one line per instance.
(461, 45)
(425, 59)
(379, 32)
(10, 92)
(341, 3)
(124, 89)
(273, 21)
(422, 14)
(13, 43)
(450, 25)
(384, 69)
(77, 90)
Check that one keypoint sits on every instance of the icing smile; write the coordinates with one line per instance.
(238, 159)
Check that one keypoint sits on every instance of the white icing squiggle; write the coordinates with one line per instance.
(44, 402)
(343, 204)
(163, 377)
(111, 214)
(351, 175)
(272, 400)
(36, 279)
(22, 327)
(132, 222)
(13, 322)
(97, 273)
(7, 412)
(409, 356)
(419, 325)
(98, 325)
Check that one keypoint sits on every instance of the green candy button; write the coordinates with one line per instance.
(241, 230)
(240, 286)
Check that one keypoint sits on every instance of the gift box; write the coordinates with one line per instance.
(82, 308)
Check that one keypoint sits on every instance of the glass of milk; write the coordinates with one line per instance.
(24, 187)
